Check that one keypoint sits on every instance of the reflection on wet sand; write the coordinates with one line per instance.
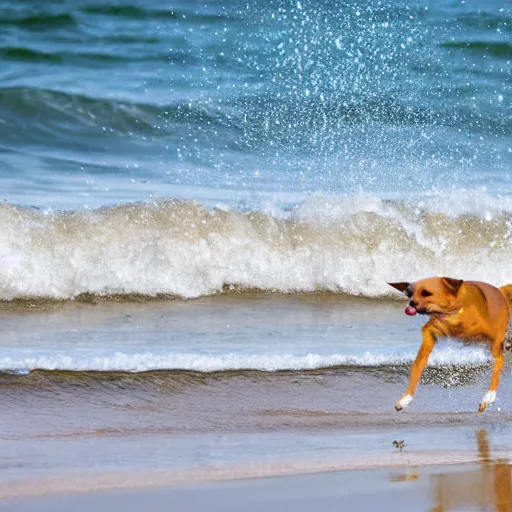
(488, 486)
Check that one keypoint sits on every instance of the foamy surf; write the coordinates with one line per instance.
(149, 361)
(352, 245)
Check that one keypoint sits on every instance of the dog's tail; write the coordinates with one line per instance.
(507, 293)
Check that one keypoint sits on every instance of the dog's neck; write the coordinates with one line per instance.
(456, 309)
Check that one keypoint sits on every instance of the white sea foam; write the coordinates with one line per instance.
(352, 245)
(147, 361)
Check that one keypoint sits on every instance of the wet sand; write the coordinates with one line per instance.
(484, 486)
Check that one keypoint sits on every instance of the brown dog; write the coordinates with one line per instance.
(468, 310)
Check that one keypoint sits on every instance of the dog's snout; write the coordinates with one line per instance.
(413, 304)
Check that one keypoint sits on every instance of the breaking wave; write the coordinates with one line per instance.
(229, 362)
(351, 245)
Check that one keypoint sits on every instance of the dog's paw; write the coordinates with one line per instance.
(488, 399)
(403, 402)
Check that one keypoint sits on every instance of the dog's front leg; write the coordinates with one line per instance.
(490, 396)
(429, 340)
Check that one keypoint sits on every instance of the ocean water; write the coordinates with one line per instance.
(203, 194)
(176, 149)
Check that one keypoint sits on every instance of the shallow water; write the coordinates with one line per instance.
(228, 380)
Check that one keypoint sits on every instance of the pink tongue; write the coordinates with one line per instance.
(409, 310)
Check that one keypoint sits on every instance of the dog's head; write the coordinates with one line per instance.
(432, 295)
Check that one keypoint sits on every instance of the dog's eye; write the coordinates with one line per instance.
(426, 293)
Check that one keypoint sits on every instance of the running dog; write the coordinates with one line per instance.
(468, 310)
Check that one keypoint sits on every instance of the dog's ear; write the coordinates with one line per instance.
(452, 285)
(401, 287)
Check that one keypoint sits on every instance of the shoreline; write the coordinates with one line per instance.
(228, 294)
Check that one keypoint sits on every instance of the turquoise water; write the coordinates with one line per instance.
(247, 102)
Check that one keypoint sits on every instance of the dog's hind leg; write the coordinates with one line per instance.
(497, 353)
